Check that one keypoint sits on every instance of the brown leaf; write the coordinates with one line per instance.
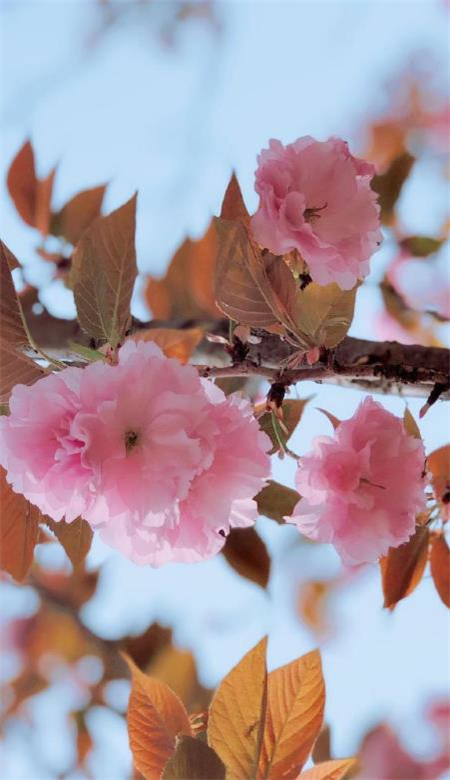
(237, 713)
(329, 770)
(438, 463)
(440, 567)
(104, 271)
(292, 412)
(276, 501)
(75, 537)
(77, 214)
(15, 367)
(389, 184)
(44, 192)
(247, 554)
(156, 717)
(322, 749)
(335, 422)
(403, 567)
(295, 704)
(194, 760)
(422, 246)
(174, 343)
(22, 183)
(187, 289)
(233, 206)
(19, 531)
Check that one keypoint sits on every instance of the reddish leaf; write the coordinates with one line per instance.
(247, 554)
(194, 760)
(22, 183)
(233, 206)
(440, 567)
(75, 537)
(403, 567)
(19, 531)
(329, 770)
(77, 214)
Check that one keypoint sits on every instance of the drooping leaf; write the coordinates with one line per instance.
(77, 214)
(233, 206)
(75, 537)
(438, 463)
(292, 412)
(194, 760)
(15, 366)
(156, 717)
(276, 501)
(237, 714)
(103, 274)
(422, 246)
(174, 343)
(440, 567)
(295, 705)
(389, 184)
(247, 554)
(19, 531)
(403, 567)
(329, 770)
(31, 196)
(187, 289)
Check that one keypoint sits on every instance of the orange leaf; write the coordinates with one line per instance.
(78, 213)
(237, 714)
(295, 704)
(233, 206)
(19, 531)
(174, 343)
(439, 465)
(329, 770)
(22, 183)
(75, 538)
(403, 567)
(335, 422)
(194, 760)
(156, 717)
(410, 425)
(44, 190)
(440, 567)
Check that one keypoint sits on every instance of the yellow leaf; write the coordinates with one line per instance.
(174, 343)
(19, 531)
(403, 567)
(103, 274)
(323, 315)
(329, 770)
(440, 567)
(156, 717)
(236, 715)
(295, 704)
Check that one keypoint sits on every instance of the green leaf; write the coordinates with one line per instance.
(103, 274)
(422, 246)
(193, 759)
(292, 412)
(277, 501)
(247, 554)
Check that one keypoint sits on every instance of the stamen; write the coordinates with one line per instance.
(311, 214)
(131, 440)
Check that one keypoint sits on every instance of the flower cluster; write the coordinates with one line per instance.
(160, 462)
(362, 489)
(315, 197)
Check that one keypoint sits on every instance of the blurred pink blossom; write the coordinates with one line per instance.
(362, 488)
(422, 286)
(316, 197)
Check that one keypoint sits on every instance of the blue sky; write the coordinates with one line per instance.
(173, 124)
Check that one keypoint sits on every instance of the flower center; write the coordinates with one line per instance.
(131, 439)
(311, 214)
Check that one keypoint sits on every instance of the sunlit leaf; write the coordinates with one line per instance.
(19, 531)
(75, 537)
(276, 501)
(77, 214)
(292, 412)
(438, 463)
(194, 760)
(156, 717)
(440, 567)
(330, 770)
(323, 315)
(403, 567)
(295, 705)
(15, 366)
(389, 184)
(104, 271)
(247, 554)
(237, 714)
(174, 343)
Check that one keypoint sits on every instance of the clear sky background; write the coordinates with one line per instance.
(172, 123)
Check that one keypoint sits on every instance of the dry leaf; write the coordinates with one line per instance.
(329, 770)
(103, 274)
(77, 214)
(194, 760)
(156, 717)
(440, 567)
(75, 537)
(237, 713)
(19, 531)
(292, 413)
(403, 567)
(15, 366)
(295, 705)
(276, 501)
(174, 343)
(439, 466)
(247, 554)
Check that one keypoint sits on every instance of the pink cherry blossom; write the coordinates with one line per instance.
(157, 460)
(362, 488)
(316, 197)
(421, 289)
